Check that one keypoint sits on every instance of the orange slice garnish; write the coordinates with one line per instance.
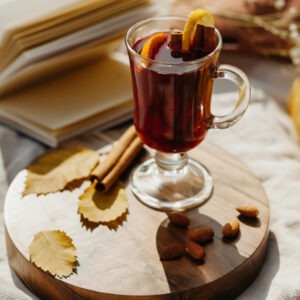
(198, 16)
(153, 44)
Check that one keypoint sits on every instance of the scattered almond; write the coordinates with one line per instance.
(172, 251)
(179, 219)
(194, 250)
(248, 211)
(231, 229)
(201, 234)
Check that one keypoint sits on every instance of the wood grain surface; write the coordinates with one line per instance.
(123, 263)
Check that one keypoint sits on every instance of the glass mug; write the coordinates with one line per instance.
(172, 114)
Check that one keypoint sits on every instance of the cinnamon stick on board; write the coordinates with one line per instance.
(120, 157)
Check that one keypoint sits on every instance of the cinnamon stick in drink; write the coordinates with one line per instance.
(209, 39)
(175, 40)
(126, 148)
(204, 38)
(198, 38)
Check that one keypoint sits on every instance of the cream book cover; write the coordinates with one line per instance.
(57, 77)
(95, 94)
(33, 32)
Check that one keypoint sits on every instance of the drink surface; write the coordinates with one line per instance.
(164, 52)
(172, 103)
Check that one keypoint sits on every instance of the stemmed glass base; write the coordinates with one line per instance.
(171, 182)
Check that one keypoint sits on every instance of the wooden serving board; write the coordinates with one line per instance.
(124, 263)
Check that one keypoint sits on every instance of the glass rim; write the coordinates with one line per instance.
(185, 63)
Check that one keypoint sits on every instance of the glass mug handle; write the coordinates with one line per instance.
(239, 78)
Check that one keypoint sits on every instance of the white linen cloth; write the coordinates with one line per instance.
(264, 139)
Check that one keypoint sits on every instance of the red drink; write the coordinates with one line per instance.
(172, 76)
(172, 97)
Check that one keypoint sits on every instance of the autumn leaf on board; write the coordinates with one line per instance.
(53, 252)
(53, 171)
(99, 207)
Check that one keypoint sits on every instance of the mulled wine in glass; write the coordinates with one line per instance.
(172, 92)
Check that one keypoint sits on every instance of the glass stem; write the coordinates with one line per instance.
(171, 162)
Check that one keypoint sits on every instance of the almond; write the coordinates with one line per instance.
(194, 250)
(172, 251)
(231, 229)
(248, 211)
(179, 219)
(201, 234)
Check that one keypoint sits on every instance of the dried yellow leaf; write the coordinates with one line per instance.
(53, 252)
(103, 207)
(53, 171)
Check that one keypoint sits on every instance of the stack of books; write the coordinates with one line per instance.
(58, 77)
